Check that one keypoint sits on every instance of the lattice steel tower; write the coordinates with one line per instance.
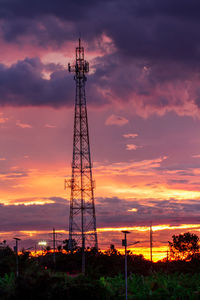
(82, 219)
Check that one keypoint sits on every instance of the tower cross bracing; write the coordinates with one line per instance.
(82, 219)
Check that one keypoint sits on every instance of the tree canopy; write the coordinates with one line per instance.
(184, 246)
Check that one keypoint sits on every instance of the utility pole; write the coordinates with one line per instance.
(82, 219)
(16, 252)
(151, 243)
(167, 258)
(83, 257)
(54, 246)
(124, 243)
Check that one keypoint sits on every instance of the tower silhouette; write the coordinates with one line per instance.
(82, 219)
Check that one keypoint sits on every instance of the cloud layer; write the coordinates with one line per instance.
(110, 212)
(149, 53)
(143, 82)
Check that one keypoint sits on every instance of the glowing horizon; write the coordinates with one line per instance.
(143, 113)
(159, 246)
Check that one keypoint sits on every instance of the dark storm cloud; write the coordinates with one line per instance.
(110, 212)
(52, 23)
(183, 9)
(73, 9)
(150, 86)
(160, 36)
(117, 212)
(24, 84)
(38, 217)
(48, 31)
(147, 29)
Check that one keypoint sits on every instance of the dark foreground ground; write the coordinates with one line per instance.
(47, 285)
(40, 278)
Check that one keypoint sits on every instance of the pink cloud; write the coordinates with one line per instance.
(3, 119)
(116, 120)
(196, 156)
(132, 147)
(130, 135)
(22, 125)
(49, 126)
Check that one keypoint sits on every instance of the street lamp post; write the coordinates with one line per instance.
(83, 256)
(54, 247)
(124, 243)
(17, 262)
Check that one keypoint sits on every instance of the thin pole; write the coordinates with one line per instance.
(17, 261)
(124, 243)
(167, 259)
(151, 242)
(126, 284)
(54, 246)
(83, 257)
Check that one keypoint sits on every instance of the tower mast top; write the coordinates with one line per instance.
(80, 66)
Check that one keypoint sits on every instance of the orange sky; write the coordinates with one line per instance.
(144, 124)
(141, 189)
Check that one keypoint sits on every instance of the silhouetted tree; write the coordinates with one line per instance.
(112, 250)
(68, 247)
(184, 246)
(6, 251)
(25, 254)
(59, 247)
(47, 248)
(7, 260)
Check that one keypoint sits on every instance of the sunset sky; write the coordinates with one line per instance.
(143, 97)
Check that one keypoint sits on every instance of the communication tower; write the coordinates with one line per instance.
(82, 219)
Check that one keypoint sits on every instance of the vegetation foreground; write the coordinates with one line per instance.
(50, 277)
(47, 285)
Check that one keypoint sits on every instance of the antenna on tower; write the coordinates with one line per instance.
(82, 219)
